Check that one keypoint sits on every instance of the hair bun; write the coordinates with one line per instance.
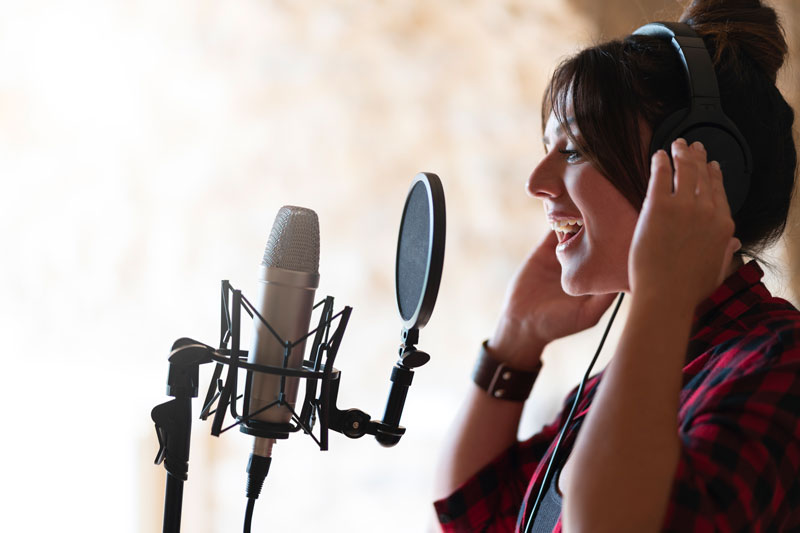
(737, 31)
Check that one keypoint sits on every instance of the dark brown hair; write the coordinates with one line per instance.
(614, 87)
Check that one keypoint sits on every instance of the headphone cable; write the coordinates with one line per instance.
(550, 470)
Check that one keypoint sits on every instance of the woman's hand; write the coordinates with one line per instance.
(683, 241)
(537, 310)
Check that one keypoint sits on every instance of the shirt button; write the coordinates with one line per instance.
(444, 518)
(499, 393)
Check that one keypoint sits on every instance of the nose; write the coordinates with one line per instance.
(546, 181)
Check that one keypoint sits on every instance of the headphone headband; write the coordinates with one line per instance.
(704, 120)
(693, 53)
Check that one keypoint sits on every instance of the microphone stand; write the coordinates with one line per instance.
(173, 421)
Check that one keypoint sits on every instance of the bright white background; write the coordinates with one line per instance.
(145, 148)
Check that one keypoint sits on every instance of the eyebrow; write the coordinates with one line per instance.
(570, 120)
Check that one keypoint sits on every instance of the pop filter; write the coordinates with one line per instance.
(420, 250)
(418, 271)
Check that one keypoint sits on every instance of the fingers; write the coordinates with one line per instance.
(691, 174)
(660, 175)
(690, 177)
(695, 176)
(718, 189)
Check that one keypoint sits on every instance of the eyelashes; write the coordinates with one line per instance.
(572, 156)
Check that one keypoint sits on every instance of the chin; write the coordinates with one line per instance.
(583, 285)
(573, 288)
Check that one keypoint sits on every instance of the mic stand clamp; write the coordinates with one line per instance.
(173, 421)
(355, 423)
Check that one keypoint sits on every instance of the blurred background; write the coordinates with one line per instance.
(145, 148)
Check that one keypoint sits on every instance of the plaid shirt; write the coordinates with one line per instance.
(739, 425)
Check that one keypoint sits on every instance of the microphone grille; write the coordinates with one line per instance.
(294, 240)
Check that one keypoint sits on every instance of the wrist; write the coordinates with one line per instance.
(516, 349)
(501, 380)
(525, 357)
(663, 302)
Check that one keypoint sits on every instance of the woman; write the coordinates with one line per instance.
(695, 423)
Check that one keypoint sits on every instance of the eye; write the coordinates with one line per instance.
(573, 156)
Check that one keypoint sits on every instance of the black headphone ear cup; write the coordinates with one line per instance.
(721, 145)
(667, 132)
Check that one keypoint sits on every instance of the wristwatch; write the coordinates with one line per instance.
(500, 380)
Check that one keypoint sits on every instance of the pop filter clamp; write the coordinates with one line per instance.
(420, 255)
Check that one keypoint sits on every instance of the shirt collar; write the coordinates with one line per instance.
(727, 299)
(738, 293)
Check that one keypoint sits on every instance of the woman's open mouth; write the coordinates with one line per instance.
(566, 230)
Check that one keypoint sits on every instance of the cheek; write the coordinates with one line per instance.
(615, 229)
(613, 216)
(604, 268)
(611, 240)
(611, 221)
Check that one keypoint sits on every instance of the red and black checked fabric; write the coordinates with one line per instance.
(739, 424)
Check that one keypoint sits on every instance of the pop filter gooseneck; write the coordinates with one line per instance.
(418, 271)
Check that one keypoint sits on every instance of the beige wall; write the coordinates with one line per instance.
(145, 148)
(789, 82)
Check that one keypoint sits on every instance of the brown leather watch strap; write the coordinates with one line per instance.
(501, 381)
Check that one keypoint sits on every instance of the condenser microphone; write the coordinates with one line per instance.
(288, 279)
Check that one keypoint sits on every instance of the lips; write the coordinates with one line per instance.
(566, 228)
(566, 239)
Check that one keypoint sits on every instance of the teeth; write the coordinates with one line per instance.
(565, 226)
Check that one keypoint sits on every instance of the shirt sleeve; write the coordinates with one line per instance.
(740, 452)
(490, 501)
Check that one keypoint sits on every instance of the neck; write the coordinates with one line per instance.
(735, 264)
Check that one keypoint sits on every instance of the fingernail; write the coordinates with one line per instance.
(655, 160)
(681, 140)
(697, 146)
(658, 158)
(715, 165)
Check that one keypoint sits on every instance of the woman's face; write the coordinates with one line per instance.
(593, 221)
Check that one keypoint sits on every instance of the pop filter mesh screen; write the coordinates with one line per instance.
(413, 250)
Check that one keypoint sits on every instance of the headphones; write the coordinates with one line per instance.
(704, 120)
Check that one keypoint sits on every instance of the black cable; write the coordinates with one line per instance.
(257, 469)
(248, 514)
(548, 475)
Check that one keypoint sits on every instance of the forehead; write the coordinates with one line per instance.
(553, 128)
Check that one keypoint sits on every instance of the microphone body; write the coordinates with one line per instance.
(287, 283)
